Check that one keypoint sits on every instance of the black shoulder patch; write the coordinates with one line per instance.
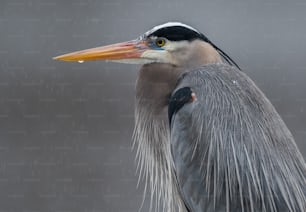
(178, 33)
(178, 100)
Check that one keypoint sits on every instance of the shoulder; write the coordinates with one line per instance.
(215, 72)
(219, 79)
(214, 79)
(222, 89)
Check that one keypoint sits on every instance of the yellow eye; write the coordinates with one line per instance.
(160, 42)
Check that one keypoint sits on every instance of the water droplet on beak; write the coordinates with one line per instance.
(81, 61)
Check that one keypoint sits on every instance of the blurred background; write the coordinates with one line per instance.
(66, 128)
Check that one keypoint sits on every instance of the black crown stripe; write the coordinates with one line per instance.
(178, 33)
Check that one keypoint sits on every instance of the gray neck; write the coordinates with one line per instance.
(155, 83)
(151, 135)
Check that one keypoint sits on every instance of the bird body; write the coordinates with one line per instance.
(206, 137)
(238, 155)
(219, 143)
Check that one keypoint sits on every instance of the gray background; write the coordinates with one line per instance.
(65, 128)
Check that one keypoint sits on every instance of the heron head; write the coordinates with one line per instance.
(174, 43)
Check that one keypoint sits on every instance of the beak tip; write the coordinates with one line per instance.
(60, 57)
(57, 57)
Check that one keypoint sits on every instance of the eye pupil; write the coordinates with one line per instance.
(160, 42)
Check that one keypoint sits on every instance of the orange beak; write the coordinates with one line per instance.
(120, 51)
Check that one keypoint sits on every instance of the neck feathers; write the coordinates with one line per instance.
(151, 139)
(203, 53)
(152, 136)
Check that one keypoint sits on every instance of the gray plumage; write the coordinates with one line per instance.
(226, 149)
(230, 150)
(152, 136)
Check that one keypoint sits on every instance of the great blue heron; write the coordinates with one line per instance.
(208, 138)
